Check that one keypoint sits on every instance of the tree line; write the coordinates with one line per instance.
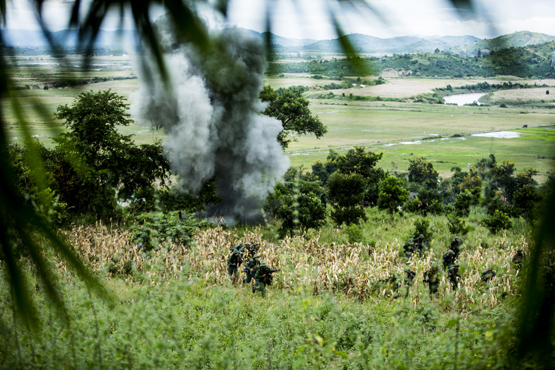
(521, 62)
(350, 182)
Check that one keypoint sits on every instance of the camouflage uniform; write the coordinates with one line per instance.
(392, 282)
(233, 263)
(457, 246)
(262, 278)
(488, 275)
(409, 280)
(251, 267)
(419, 244)
(454, 276)
(240, 248)
(431, 277)
(409, 249)
(448, 259)
(251, 250)
(518, 258)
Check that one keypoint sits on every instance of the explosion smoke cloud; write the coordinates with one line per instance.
(210, 111)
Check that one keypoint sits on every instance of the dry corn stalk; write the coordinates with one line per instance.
(352, 269)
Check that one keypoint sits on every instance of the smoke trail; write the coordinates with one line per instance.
(211, 115)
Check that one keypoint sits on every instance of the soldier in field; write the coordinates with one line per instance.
(431, 277)
(233, 263)
(454, 276)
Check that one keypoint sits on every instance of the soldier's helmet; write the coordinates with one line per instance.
(519, 251)
(456, 264)
(256, 256)
(247, 243)
(236, 251)
(458, 239)
(421, 236)
(407, 269)
(262, 264)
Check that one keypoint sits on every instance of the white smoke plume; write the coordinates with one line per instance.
(210, 112)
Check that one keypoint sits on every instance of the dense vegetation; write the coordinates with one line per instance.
(331, 305)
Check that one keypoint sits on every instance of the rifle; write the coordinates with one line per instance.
(268, 279)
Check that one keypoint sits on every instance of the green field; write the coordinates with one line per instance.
(394, 128)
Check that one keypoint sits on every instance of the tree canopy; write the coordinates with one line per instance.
(291, 108)
(108, 163)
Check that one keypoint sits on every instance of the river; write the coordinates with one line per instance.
(463, 99)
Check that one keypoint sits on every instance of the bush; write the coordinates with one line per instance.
(498, 221)
(153, 229)
(422, 226)
(305, 212)
(435, 208)
(412, 205)
(354, 233)
(458, 226)
(463, 203)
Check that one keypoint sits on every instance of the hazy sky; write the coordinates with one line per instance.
(310, 18)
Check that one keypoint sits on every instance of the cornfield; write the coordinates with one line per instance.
(354, 270)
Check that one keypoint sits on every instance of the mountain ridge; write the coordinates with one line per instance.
(467, 45)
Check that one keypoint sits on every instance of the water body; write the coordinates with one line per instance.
(500, 134)
(463, 99)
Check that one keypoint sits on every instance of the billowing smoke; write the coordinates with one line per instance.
(210, 112)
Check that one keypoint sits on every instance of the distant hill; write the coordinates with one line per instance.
(67, 38)
(395, 45)
(517, 39)
(461, 45)
(282, 41)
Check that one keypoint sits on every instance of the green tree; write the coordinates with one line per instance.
(346, 195)
(423, 172)
(466, 199)
(94, 163)
(392, 194)
(306, 211)
(525, 200)
(292, 110)
(470, 181)
(324, 170)
(364, 163)
(497, 221)
(299, 202)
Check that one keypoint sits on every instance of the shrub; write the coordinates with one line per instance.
(354, 233)
(435, 208)
(498, 221)
(458, 226)
(305, 212)
(153, 229)
(464, 201)
(422, 226)
(412, 205)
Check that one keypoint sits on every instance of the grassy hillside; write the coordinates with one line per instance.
(513, 40)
